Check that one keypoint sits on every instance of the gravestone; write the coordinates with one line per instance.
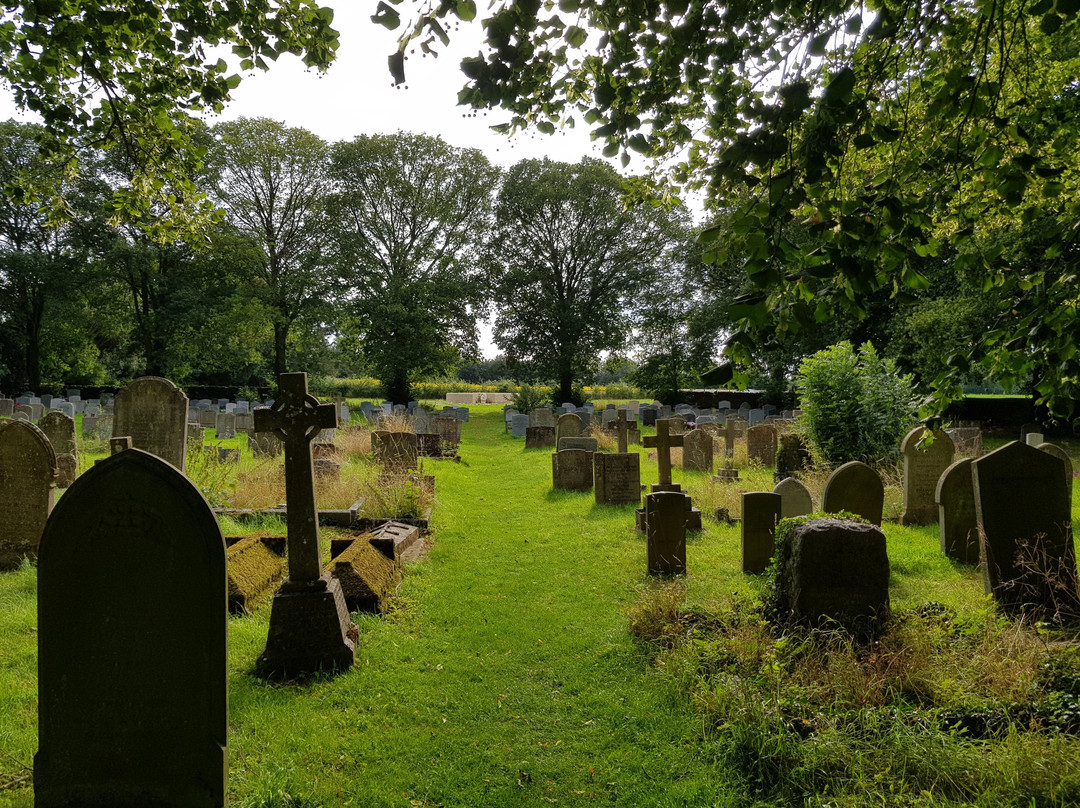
(153, 412)
(24, 412)
(519, 425)
(1034, 438)
(265, 444)
(856, 488)
(27, 487)
(396, 451)
(677, 425)
(67, 469)
(1063, 456)
(448, 429)
(665, 531)
(7, 407)
(540, 437)
(541, 416)
(572, 470)
(622, 430)
(761, 444)
(663, 441)
(617, 478)
(225, 425)
(795, 499)
(310, 628)
(1023, 511)
(959, 529)
(569, 426)
(649, 414)
(923, 466)
(1029, 428)
(132, 620)
(834, 571)
(60, 430)
(792, 457)
(760, 513)
(697, 453)
(97, 427)
(588, 444)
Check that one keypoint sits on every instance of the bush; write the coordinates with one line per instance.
(529, 398)
(856, 405)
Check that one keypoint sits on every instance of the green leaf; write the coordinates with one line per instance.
(841, 85)
(386, 16)
(1050, 24)
(576, 36)
(466, 10)
(819, 43)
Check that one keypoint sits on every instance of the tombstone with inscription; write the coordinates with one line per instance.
(1025, 524)
(572, 470)
(132, 618)
(795, 499)
(396, 451)
(225, 425)
(448, 429)
(541, 416)
(27, 486)
(697, 453)
(540, 437)
(310, 628)
(955, 497)
(926, 456)
(761, 444)
(760, 513)
(153, 412)
(856, 488)
(569, 426)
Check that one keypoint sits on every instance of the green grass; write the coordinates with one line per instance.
(507, 674)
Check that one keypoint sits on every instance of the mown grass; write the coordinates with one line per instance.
(529, 660)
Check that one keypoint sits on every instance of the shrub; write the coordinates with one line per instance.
(529, 398)
(856, 405)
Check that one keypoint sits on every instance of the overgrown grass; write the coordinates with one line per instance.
(530, 660)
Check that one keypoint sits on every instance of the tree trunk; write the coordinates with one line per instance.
(33, 341)
(281, 332)
(566, 387)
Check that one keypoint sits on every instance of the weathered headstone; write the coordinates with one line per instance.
(761, 444)
(1023, 511)
(225, 425)
(760, 513)
(132, 618)
(697, 453)
(153, 411)
(665, 531)
(834, 570)
(925, 460)
(569, 426)
(449, 429)
(588, 444)
(7, 407)
(572, 470)
(60, 430)
(792, 457)
(795, 499)
(540, 437)
(955, 497)
(1063, 456)
(541, 416)
(27, 483)
(310, 628)
(856, 488)
(396, 451)
(617, 478)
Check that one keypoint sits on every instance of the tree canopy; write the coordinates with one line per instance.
(888, 129)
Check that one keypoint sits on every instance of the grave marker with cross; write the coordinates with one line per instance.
(663, 442)
(621, 427)
(310, 626)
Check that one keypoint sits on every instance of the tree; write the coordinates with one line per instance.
(567, 260)
(107, 74)
(273, 185)
(409, 212)
(889, 129)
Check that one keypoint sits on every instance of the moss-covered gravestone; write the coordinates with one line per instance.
(697, 453)
(131, 642)
(1024, 515)
(27, 486)
(572, 470)
(856, 488)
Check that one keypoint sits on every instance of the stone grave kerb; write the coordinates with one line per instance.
(296, 418)
(663, 441)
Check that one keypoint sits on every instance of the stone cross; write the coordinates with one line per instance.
(621, 426)
(296, 418)
(663, 442)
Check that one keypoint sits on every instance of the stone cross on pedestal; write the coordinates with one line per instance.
(310, 627)
(663, 442)
(621, 426)
(296, 418)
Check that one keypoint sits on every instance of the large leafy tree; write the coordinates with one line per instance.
(128, 74)
(409, 212)
(273, 184)
(888, 128)
(567, 260)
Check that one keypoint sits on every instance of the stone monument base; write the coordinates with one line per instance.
(693, 515)
(310, 630)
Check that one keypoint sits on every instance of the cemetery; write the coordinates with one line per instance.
(553, 627)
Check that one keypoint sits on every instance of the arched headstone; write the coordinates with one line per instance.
(955, 497)
(131, 642)
(153, 412)
(856, 488)
(795, 499)
(925, 460)
(27, 486)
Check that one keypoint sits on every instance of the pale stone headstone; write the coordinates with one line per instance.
(665, 531)
(1063, 456)
(37, 410)
(834, 570)
(1028, 428)
(1023, 511)
(396, 451)
(27, 487)
(572, 470)
(756, 416)
(856, 488)
(67, 469)
(7, 407)
(959, 529)
(761, 444)
(760, 513)
(1034, 438)
(795, 499)
(541, 416)
(925, 460)
(617, 478)
(519, 425)
(24, 410)
(225, 425)
(697, 451)
(132, 619)
(569, 426)
(310, 626)
(153, 412)
(60, 430)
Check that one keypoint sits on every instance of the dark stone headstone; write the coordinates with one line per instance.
(572, 470)
(761, 444)
(131, 642)
(959, 528)
(792, 456)
(1024, 516)
(665, 520)
(760, 513)
(540, 437)
(617, 478)
(856, 488)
